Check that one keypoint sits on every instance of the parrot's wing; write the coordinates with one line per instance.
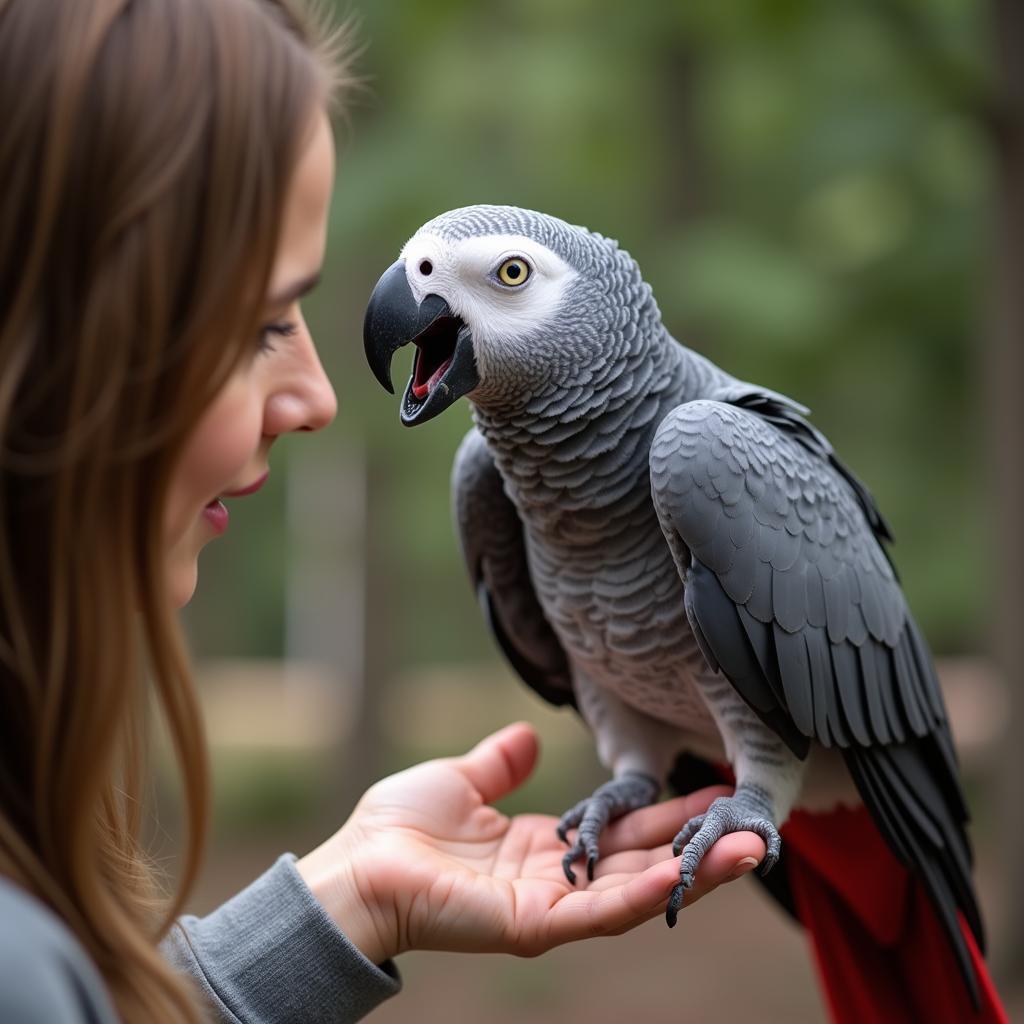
(792, 597)
(491, 535)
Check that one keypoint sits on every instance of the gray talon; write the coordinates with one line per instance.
(628, 792)
(686, 834)
(747, 810)
(675, 904)
(567, 867)
(774, 843)
(575, 850)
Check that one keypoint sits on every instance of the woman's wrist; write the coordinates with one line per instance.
(333, 876)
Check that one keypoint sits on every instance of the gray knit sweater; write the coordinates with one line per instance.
(270, 953)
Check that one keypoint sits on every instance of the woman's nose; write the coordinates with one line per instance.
(303, 400)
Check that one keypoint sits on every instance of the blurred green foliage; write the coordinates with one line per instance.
(806, 186)
(267, 791)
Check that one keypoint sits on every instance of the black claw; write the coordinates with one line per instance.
(566, 867)
(675, 903)
(590, 816)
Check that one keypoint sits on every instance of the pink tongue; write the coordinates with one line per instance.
(422, 390)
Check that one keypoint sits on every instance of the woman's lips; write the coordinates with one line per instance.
(216, 515)
(250, 489)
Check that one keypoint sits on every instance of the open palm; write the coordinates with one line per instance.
(441, 869)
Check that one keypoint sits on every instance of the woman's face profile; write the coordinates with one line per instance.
(282, 388)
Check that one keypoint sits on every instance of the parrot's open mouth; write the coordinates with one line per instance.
(435, 350)
(444, 367)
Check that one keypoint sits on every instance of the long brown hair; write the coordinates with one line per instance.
(145, 150)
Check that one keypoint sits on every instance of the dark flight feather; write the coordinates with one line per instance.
(824, 647)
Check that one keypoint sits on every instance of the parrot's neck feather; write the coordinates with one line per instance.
(578, 457)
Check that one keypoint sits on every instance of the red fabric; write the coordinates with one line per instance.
(881, 953)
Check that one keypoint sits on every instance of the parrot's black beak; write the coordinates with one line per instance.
(393, 319)
(444, 367)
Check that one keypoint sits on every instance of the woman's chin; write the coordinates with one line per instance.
(183, 580)
(182, 565)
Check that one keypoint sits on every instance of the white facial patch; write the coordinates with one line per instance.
(465, 275)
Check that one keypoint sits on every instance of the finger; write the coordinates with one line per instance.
(502, 761)
(659, 823)
(732, 856)
(719, 864)
(612, 910)
(596, 911)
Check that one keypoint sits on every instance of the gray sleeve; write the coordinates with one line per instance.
(271, 953)
(45, 975)
(44, 993)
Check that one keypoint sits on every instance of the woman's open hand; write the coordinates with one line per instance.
(425, 863)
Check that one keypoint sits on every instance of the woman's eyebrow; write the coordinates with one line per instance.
(295, 291)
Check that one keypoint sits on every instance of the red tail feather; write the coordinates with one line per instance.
(880, 950)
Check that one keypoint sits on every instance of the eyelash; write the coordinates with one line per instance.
(284, 329)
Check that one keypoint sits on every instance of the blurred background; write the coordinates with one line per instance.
(826, 199)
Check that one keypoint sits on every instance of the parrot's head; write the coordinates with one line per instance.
(502, 305)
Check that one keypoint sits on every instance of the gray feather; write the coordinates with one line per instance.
(654, 512)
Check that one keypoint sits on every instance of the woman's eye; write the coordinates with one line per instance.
(514, 271)
(283, 329)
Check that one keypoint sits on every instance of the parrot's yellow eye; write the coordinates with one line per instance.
(514, 271)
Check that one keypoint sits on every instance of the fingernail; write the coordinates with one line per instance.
(745, 865)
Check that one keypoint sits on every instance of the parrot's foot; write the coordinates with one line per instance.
(747, 810)
(628, 792)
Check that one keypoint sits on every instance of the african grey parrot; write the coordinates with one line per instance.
(677, 553)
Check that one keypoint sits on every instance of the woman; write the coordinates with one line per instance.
(165, 172)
